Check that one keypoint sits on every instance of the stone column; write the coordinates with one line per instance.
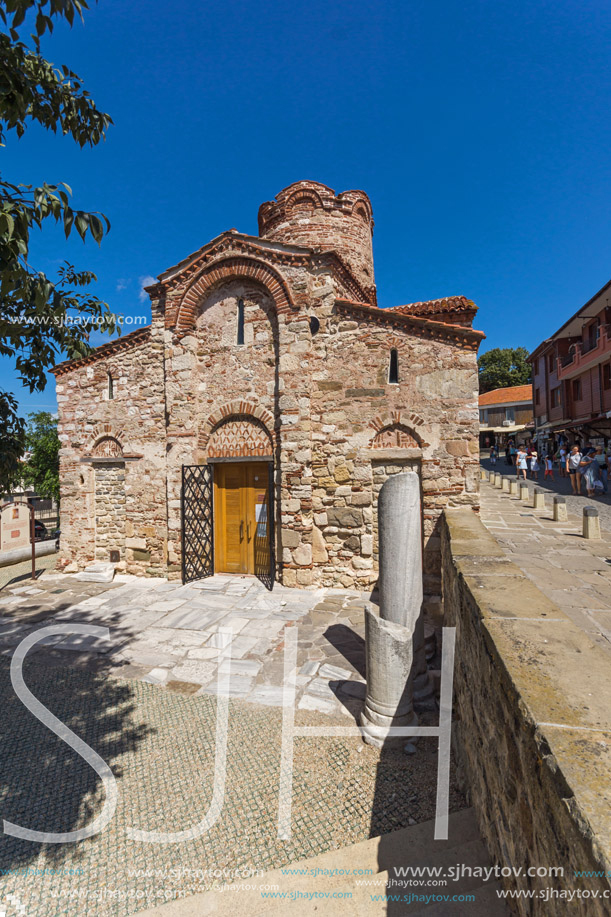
(396, 662)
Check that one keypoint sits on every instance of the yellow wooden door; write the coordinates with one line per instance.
(240, 517)
(231, 546)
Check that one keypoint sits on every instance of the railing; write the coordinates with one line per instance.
(567, 359)
(589, 345)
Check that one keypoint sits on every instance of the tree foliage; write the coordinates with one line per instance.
(41, 471)
(37, 312)
(503, 367)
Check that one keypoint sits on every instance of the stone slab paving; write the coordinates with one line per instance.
(558, 487)
(160, 745)
(170, 634)
(573, 572)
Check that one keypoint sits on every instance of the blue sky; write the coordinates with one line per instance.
(479, 129)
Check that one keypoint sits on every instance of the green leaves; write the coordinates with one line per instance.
(41, 471)
(42, 318)
(502, 367)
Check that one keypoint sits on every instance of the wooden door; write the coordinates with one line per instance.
(241, 497)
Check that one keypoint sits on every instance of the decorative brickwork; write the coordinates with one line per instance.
(239, 437)
(318, 401)
(395, 436)
(107, 447)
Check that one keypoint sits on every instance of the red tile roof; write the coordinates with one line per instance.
(512, 393)
(437, 306)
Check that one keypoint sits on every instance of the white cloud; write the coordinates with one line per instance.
(122, 284)
(145, 281)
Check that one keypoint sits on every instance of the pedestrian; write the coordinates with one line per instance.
(549, 466)
(572, 468)
(534, 465)
(562, 460)
(601, 458)
(521, 462)
(588, 467)
(512, 452)
(507, 455)
(493, 455)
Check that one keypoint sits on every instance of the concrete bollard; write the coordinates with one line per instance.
(591, 522)
(560, 513)
(498, 480)
(538, 499)
(505, 481)
(524, 491)
(484, 475)
(513, 488)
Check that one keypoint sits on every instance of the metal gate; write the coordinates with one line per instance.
(197, 522)
(265, 554)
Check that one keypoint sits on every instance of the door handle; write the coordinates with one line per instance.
(248, 529)
(241, 529)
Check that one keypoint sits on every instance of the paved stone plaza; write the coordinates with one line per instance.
(146, 704)
(169, 634)
(573, 572)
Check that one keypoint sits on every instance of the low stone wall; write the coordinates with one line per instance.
(533, 730)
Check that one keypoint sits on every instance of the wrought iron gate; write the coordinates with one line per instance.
(265, 554)
(197, 522)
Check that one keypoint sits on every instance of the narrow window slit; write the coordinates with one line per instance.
(393, 369)
(240, 321)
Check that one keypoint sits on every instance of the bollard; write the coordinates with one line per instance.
(538, 499)
(505, 482)
(591, 522)
(523, 491)
(498, 479)
(484, 475)
(513, 488)
(560, 513)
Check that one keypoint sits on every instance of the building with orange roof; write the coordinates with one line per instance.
(504, 414)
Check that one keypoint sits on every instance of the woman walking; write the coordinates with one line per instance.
(521, 463)
(572, 469)
(534, 465)
(588, 467)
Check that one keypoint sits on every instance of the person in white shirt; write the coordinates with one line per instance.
(572, 467)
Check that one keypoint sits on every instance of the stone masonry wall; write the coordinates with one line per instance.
(134, 418)
(532, 730)
(110, 510)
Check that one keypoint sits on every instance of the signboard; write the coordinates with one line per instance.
(14, 526)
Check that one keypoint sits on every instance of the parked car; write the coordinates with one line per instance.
(40, 530)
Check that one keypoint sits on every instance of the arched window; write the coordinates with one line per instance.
(314, 325)
(111, 388)
(240, 338)
(393, 369)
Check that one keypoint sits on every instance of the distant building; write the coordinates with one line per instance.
(506, 413)
(572, 376)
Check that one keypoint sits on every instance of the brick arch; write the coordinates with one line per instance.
(396, 432)
(105, 431)
(304, 196)
(232, 268)
(237, 410)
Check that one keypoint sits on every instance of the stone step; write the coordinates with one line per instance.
(413, 846)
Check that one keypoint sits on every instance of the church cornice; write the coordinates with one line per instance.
(416, 325)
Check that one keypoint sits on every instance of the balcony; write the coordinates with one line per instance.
(584, 354)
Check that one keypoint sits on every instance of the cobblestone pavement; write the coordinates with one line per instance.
(572, 572)
(167, 633)
(562, 487)
(157, 732)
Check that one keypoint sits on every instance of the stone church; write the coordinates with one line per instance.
(249, 428)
